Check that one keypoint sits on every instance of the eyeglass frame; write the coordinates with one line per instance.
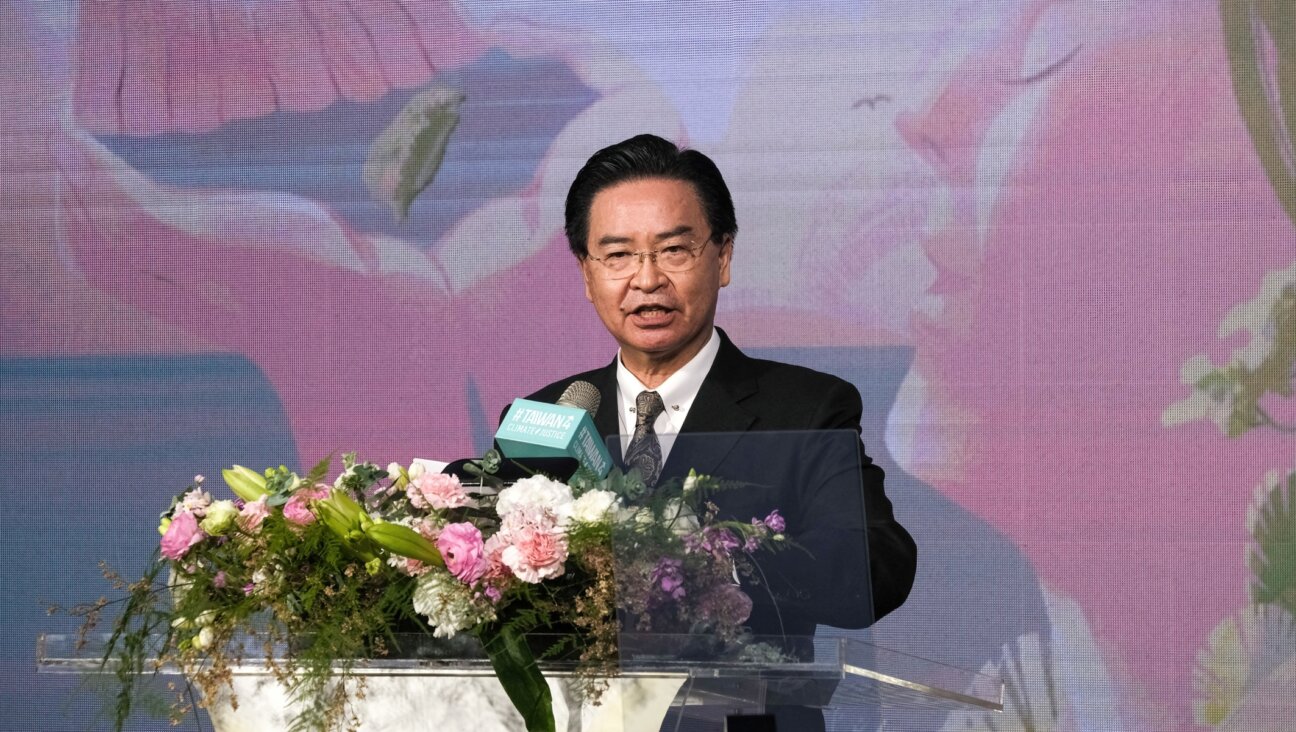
(694, 252)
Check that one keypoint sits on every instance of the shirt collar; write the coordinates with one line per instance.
(677, 392)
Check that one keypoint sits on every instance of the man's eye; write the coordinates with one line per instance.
(617, 256)
(673, 250)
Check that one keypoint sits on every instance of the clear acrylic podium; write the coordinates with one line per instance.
(451, 686)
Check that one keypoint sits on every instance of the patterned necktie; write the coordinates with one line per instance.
(644, 452)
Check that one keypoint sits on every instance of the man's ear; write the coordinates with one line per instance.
(583, 263)
(726, 256)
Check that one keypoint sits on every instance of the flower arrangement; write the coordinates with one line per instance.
(337, 571)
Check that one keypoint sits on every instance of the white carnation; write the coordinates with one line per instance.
(680, 516)
(448, 604)
(537, 493)
(594, 506)
(640, 515)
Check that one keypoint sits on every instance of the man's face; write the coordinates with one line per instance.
(661, 319)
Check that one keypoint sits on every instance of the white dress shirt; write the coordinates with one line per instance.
(677, 392)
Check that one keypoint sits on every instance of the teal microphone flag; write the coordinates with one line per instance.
(543, 430)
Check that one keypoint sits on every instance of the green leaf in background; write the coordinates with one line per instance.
(1246, 663)
(1261, 39)
(405, 157)
(516, 668)
(320, 470)
(1273, 559)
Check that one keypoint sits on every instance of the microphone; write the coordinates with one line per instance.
(582, 395)
(564, 430)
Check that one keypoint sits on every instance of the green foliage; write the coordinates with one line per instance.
(309, 591)
(128, 649)
(1273, 560)
(516, 668)
(405, 157)
(1242, 389)
(1266, 92)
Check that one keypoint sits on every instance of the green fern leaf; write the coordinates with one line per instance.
(1273, 558)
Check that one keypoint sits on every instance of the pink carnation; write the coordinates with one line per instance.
(535, 550)
(494, 552)
(252, 514)
(181, 535)
(196, 502)
(297, 509)
(497, 576)
(437, 491)
(464, 552)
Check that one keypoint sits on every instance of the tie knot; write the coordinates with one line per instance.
(647, 406)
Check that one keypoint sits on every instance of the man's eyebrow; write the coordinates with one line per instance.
(611, 239)
(677, 231)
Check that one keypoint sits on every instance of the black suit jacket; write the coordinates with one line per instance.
(824, 504)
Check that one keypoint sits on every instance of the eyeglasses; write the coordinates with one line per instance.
(672, 258)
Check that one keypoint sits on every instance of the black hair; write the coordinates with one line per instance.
(638, 158)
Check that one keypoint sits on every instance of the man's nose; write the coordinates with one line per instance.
(648, 276)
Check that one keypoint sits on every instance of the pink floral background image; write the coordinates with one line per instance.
(1049, 206)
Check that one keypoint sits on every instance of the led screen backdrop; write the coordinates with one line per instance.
(1051, 242)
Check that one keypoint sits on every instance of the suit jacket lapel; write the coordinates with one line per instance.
(716, 409)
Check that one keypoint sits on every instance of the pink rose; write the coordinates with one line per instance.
(535, 550)
(437, 491)
(464, 552)
(297, 509)
(182, 534)
(252, 514)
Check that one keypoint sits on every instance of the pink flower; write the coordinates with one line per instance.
(196, 502)
(297, 509)
(410, 567)
(464, 552)
(535, 549)
(437, 491)
(252, 514)
(181, 535)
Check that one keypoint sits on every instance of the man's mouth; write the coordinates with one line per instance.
(649, 315)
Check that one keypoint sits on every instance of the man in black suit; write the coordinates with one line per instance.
(652, 227)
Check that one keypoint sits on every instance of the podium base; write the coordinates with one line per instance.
(451, 704)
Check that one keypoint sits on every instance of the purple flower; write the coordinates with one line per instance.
(726, 604)
(249, 588)
(220, 580)
(775, 522)
(669, 576)
(720, 542)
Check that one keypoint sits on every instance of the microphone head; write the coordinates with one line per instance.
(581, 395)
